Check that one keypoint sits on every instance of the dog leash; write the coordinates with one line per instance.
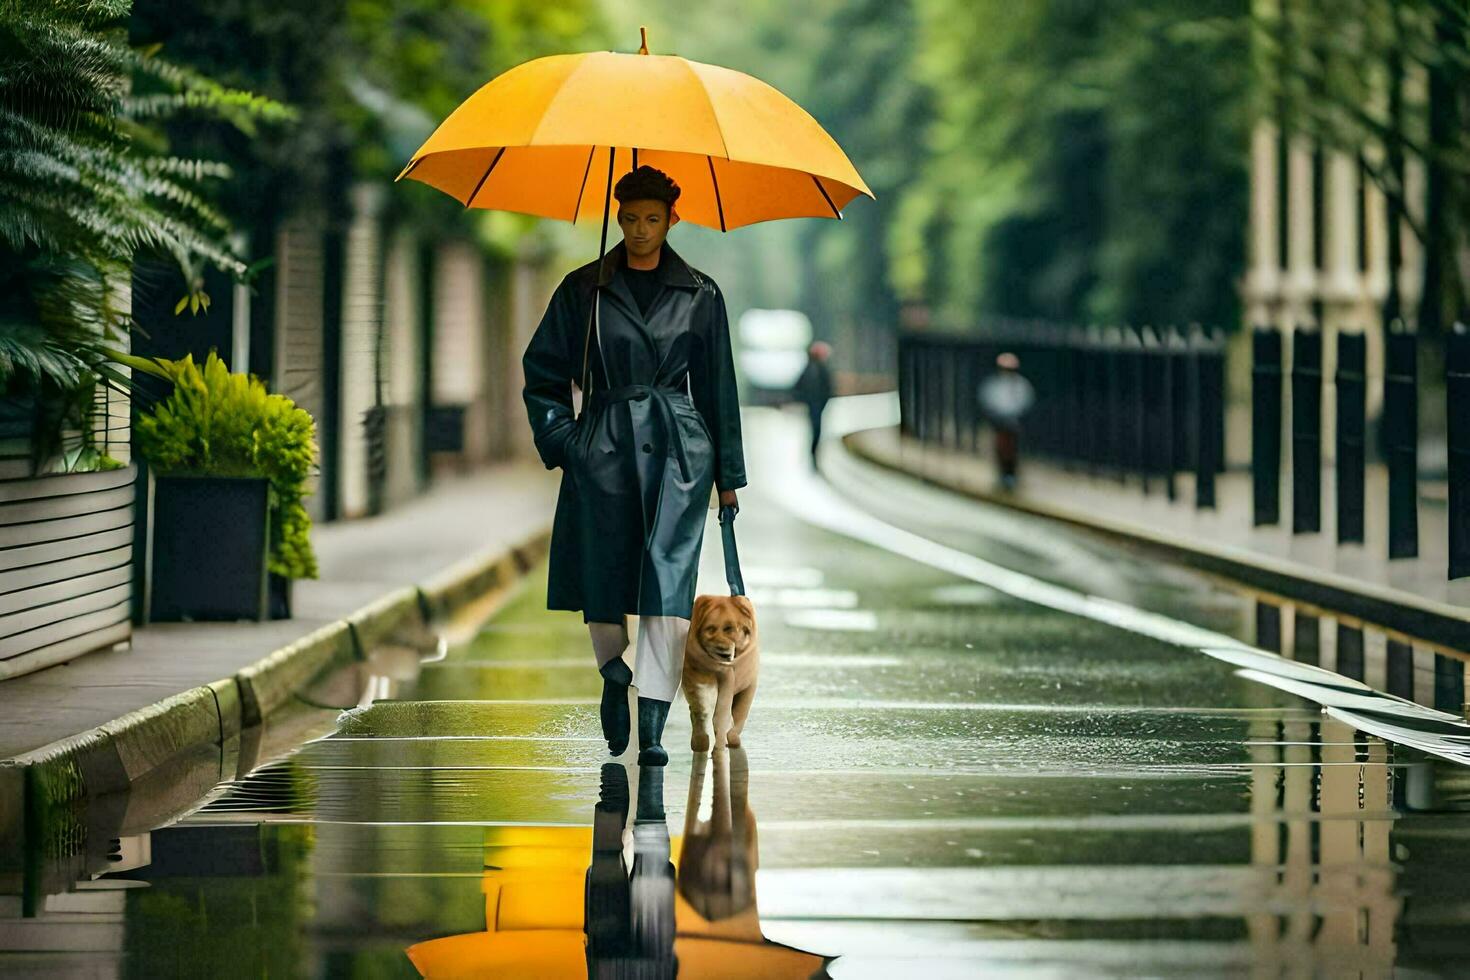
(732, 557)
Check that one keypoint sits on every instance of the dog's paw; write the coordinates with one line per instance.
(733, 740)
(699, 742)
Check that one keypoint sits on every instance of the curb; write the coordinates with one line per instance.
(1402, 612)
(112, 756)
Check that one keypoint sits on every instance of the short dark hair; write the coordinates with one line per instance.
(646, 184)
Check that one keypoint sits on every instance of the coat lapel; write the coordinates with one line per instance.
(673, 271)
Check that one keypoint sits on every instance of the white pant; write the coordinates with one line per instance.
(658, 663)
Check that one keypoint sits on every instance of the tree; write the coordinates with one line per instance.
(1087, 160)
(84, 183)
(1385, 81)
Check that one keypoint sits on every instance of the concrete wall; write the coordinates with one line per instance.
(299, 348)
(402, 357)
(362, 326)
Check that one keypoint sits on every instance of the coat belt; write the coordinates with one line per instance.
(663, 410)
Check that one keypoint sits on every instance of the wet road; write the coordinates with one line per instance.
(937, 778)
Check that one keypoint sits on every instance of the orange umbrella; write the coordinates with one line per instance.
(539, 138)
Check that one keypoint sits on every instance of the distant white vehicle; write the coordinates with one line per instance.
(773, 347)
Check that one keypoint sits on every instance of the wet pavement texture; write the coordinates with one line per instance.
(935, 779)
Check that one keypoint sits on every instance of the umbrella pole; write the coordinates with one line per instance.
(612, 153)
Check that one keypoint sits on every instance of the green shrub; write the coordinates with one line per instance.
(217, 423)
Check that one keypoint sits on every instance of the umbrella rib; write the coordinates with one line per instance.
(498, 154)
(827, 197)
(711, 103)
(582, 188)
(612, 155)
(715, 180)
(411, 168)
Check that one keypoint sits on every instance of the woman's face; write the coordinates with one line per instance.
(645, 225)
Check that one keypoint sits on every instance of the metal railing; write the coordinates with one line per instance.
(1147, 405)
(1129, 403)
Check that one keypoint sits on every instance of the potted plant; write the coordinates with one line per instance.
(228, 467)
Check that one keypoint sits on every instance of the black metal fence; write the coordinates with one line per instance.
(1147, 405)
(1457, 435)
(1140, 404)
(1401, 439)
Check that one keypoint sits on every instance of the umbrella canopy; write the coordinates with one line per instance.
(551, 136)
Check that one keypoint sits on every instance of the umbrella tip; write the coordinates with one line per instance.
(642, 40)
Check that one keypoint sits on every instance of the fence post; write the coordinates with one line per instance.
(916, 383)
(1069, 392)
(1177, 357)
(1130, 371)
(1401, 439)
(951, 372)
(1207, 389)
(1306, 430)
(970, 376)
(1093, 421)
(1115, 457)
(926, 386)
(1154, 432)
(1351, 383)
(1266, 425)
(905, 389)
(1457, 436)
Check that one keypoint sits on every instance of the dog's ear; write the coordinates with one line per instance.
(701, 609)
(744, 604)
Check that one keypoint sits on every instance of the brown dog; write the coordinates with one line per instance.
(721, 660)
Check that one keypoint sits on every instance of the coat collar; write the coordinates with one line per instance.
(672, 270)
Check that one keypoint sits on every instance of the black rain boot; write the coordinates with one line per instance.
(651, 716)
(614, 709)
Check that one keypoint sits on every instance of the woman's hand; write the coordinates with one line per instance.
(727, 499)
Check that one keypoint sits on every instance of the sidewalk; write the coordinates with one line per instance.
(462, 522)
(1411, 596)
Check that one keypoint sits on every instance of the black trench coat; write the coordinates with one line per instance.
(661, 425)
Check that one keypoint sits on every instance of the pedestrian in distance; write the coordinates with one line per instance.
(814, 389)
(645, 337)
(1005, 396)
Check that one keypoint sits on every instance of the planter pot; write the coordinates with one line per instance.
(210, 545)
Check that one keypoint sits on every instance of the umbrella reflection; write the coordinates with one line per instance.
(637, 917)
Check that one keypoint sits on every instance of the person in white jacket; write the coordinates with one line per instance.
(1005, 396)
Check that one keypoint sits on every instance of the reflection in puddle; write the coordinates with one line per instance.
(639, 916)
(1424, 673)
(1343, 858)
(992, 789)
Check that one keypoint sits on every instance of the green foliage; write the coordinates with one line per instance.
(85, 183)
(223, 424)
(1070, 158)
(405, 65)
(1088, 160)
(849, 64)
(370, 80)
(1384, 82)
(253, 923)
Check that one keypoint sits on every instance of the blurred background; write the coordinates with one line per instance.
(1070, 173)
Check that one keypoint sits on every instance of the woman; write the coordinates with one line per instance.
(647, 340)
